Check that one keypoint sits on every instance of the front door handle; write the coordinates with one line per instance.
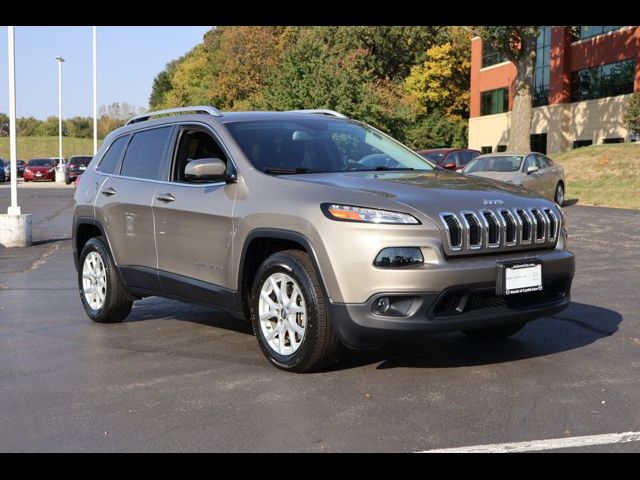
(165, 197)
(109, 191)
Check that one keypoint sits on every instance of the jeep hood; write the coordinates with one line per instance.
(429, 192)
(502, 176)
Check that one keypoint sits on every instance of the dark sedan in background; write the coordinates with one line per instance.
(4, 170)
(76, 167)
(450, 158)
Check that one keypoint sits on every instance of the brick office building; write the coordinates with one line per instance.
(581, 87)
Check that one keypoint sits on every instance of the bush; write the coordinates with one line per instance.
(631, 118)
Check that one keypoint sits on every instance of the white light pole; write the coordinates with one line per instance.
(14, 209)
(15, 228)
(95, 92)
(60, 169)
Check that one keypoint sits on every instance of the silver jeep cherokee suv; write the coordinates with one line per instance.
(320, 229)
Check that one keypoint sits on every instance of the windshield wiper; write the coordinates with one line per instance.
(286, 171)
(382, 168)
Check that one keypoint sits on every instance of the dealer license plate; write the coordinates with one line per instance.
(519, 277)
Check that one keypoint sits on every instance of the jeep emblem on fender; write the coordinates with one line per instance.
(492, 202)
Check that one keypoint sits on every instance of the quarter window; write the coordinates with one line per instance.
(145, 153)
(110, 159)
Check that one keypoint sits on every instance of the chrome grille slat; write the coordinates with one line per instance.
(510, 228)
(492, 228)
(474, 231)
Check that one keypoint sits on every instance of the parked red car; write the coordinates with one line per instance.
(450, 158)
(40, 169)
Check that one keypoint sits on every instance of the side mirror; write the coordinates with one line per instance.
(532, 168)
(206, 170)
(450, 165)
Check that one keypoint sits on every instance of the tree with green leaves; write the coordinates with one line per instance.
(4, 125)
(518, 43)
(631, 118)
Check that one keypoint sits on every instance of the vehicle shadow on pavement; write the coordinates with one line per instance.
(576, 327)
(155, 308)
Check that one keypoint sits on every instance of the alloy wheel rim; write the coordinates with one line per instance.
(283, 314)
(94, 281)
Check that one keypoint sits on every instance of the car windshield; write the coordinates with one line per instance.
(321, 145)
(40, 162)
(80, 161)
(503, 163)
(433, 156)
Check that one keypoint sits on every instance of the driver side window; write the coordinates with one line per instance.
(193, 144)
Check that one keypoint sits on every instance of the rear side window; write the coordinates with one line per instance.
(145, 153)
(110, 159)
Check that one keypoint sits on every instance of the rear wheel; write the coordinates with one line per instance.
(495, 333)
(102, 294)
(559, 196)
(289, 316)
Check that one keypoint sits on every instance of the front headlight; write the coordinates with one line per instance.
(350, 213)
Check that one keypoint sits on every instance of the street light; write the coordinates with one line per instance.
(95, 93)
(60, 168)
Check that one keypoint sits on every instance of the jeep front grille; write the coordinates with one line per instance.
(510, 229)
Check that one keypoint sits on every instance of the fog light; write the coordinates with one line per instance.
(398, 257)
(381, 305)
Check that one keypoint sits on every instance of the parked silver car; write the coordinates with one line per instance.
(529, 169)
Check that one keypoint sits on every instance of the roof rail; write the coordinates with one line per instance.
(197, 109)
(321, 111)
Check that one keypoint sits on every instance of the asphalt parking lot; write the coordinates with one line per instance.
(177, 377)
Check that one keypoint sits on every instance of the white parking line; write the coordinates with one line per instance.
(552, 444)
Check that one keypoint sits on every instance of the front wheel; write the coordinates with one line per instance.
(103, 296)
(495, 333)
(289, 315)
(559, 196)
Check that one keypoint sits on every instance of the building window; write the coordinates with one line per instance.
(542, 72)
(582, 143)
(486, 149)
(589, 31)
(539, 143)
(613, 140)
(494, 101)
(603, 81)
(501, 148)
(491, 55)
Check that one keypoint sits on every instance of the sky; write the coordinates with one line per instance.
(129, 58)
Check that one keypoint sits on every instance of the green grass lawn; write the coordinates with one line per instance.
(603, 175)
(31, 147)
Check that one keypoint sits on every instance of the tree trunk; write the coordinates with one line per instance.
(521, 113)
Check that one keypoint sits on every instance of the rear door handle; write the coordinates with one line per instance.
(109, 191)
(165, 197)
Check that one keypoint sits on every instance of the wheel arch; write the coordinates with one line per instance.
(262, 242)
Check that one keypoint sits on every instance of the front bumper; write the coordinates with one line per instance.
(440, 311)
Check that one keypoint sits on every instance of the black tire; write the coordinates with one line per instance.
(320, 344)
(117, 303)
(495, 333)
(67, 181)
(559, 195)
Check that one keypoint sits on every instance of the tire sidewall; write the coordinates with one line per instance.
(96, 245)
(285, 264)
